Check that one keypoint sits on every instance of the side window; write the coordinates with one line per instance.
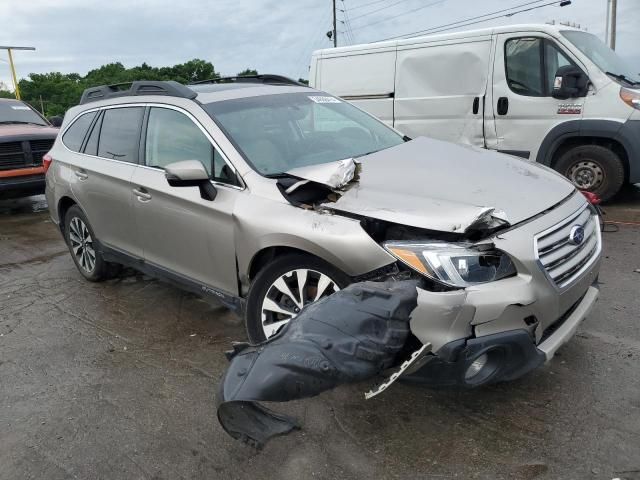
(75, 134)
(120, 133)
(91, 148)
(173, 137)
(554, 59)
(523, 60)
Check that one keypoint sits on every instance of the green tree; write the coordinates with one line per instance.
(247, 72)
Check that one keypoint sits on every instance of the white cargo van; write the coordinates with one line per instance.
(547, 93)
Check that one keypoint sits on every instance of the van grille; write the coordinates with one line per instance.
(11, 155)
(561, 258)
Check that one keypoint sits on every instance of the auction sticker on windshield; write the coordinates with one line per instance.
(19, 107)
(319, 99)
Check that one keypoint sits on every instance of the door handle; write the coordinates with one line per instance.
(142, 194)
(81, 174)
(476, 105)
(503, 105)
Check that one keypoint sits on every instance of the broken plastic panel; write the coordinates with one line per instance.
(353, 335)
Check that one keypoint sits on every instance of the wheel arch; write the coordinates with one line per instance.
(605, 133)
(64, 204)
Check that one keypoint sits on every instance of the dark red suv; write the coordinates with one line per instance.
(25, 137)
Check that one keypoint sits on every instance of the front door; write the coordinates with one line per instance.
(181, 232)
(524, 110)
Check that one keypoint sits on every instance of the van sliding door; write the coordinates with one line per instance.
(440, 88)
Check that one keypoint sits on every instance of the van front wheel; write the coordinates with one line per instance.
(593, 168)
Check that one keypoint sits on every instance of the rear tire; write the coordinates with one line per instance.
(593, 168)
(318, 278)
(83, 246)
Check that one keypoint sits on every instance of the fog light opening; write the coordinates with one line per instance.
(476, 366)
(483, 367)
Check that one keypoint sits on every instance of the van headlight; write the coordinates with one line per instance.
(456, 265)
(630, 97)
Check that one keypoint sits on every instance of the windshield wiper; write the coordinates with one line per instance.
(19, 122)
(623, 78)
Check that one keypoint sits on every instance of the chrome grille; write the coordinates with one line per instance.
(562, 259)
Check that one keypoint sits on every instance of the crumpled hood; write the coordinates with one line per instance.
(442, 186)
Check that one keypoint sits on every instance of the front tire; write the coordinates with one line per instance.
(593, 168)
(82, 244)
(275, 294)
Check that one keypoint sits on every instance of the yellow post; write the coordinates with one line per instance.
(13, 75)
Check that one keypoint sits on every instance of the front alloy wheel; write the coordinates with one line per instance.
(290, 293)
(283, 287)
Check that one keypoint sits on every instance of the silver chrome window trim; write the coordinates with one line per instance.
(160, 105)
(562, 224)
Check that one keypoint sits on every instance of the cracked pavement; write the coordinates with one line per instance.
(117, 380)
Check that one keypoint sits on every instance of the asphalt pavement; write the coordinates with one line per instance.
(116, 380)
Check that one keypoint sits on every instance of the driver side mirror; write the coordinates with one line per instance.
(190, 173)
(570, 82)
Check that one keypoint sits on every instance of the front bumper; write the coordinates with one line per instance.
(21, 186)
(510, 354)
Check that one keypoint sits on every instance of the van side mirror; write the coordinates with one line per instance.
(55, 121)
(190, 173)
(570, 82)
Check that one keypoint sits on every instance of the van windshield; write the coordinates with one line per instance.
(15, 112)
(605, 58)
(276, 133)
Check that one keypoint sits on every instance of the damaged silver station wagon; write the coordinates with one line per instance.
(268, 195)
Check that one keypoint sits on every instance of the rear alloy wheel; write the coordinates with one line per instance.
(83, 244)
(283, 288)
(593, 168)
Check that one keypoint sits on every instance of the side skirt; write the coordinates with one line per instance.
(229, 300)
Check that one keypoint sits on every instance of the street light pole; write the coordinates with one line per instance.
(12, 67)
(614, 11)
(335, 30)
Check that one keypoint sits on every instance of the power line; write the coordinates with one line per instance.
(367, 4)
(378, 10)
(463, 23)
(400, 14)
(347, 23)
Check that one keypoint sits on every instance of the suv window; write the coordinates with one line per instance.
(173, 137)
(120, 133)
(75, 134)
(531, 65)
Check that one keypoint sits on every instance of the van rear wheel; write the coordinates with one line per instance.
(285, 286)
(593, 168)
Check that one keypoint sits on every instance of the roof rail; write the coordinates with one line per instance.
(266, 78)
(141, 87)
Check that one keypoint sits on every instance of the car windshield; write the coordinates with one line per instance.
(277, 133)
(605, 58)
(17, 112)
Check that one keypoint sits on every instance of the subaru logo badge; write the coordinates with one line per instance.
(576, 236)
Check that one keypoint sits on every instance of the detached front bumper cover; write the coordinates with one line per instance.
(348, 337)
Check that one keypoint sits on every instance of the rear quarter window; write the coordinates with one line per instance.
(75, 134)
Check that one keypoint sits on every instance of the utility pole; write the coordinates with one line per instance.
(608, 24)
(16, 88)
(614, 11)
(335, 30)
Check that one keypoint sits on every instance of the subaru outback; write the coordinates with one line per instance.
(268, 195)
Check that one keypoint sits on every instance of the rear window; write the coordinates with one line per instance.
(120, 134)
(75, 134)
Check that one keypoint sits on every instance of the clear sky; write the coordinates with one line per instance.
(271, 36)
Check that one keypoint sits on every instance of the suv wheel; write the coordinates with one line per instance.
(283, 288)
(593, 168)
(82, 245)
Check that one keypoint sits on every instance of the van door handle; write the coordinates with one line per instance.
(81, 174)
(476, 105)
(142, 194)
(503, 105)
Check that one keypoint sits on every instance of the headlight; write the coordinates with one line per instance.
(457, 265)
(630, 97)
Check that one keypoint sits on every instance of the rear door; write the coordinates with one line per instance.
(102, 167)
(524, 110)
(182, 233)
(440, 89)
